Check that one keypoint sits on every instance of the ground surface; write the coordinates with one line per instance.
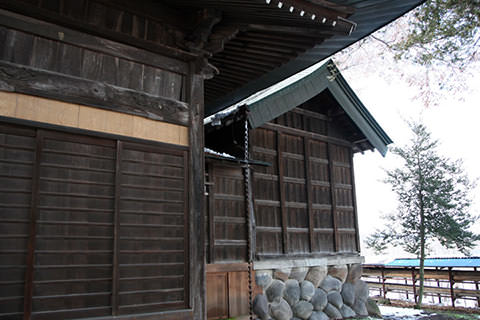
(397, 313)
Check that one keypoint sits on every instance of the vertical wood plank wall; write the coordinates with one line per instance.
(227, 290)
(304, 202)
(226, 214)
(90, 226)
(227, 273)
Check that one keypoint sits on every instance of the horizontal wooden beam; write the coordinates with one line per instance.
(32, 81)
(304, 32)
(459, 292)
(227, 267)
(166, 315)
(274, 261)
(392, 272)
(298, 132)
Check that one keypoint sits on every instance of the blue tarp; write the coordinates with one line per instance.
(469, 262)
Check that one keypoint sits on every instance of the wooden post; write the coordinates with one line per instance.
(29, 271)
(281, 186)
(196, 250)
(308, 186)
(211, 212)
(333, 197)
(354, 202)
(438, 285)
(383, 283)
(379, 289)
(116, 226)
(406, 291)
(477, 287)
(452, 293)
(413, 285)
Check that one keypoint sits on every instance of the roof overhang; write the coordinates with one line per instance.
(234, 81)
(280, 98)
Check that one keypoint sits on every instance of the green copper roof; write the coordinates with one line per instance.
(283, 97)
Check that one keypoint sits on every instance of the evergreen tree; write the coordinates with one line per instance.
(446, 31)
(433, 202)
(435, 49)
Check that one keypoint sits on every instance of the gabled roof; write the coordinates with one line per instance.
(262, 42)
(278, 99)
(470, 262)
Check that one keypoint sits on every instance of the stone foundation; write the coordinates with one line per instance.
(310, 290)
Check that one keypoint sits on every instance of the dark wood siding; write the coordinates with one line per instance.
(74, 227)
(345, 215)
(152, 76)
(304, 202)
(228, 290)
(132, 23)
(323, 236)
(226, 214)
(268, 213)
(17, 158)
(90, 226)
(152, 229)
(43, 59)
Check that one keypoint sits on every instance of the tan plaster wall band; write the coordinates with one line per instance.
(33, 108)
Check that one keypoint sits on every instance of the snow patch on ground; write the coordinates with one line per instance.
(389, 312)
(397, 313)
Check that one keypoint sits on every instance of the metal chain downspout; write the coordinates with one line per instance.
(249, 229)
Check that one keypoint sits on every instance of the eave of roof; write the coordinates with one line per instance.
(370, 15)
(283, 97)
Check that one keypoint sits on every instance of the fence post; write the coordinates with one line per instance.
(476, 287)
(413, 285)
(383, 283)
(379, 278)
(452, 293)
(438, 286)
(406, 284)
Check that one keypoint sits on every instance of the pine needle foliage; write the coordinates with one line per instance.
(442, 31)
(433, 202)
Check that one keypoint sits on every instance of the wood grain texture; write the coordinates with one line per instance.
(227, 291)
(196, 164)
(73, 250)
(98, 226)
(132, 71)
(17, 219)
(101, 20)
(151, 232)
(316, 213)
(281, 191)
(217, 295)
(227, 221)
(27, 80)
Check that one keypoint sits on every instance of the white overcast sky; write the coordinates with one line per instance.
(453, 122)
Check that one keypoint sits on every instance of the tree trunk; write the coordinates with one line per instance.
(422, 253)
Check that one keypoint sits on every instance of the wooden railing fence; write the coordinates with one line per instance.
(445, 284)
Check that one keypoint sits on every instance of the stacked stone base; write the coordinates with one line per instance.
(311, 293)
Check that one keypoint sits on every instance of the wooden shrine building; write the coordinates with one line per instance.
(295, 206)
(102, 141)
